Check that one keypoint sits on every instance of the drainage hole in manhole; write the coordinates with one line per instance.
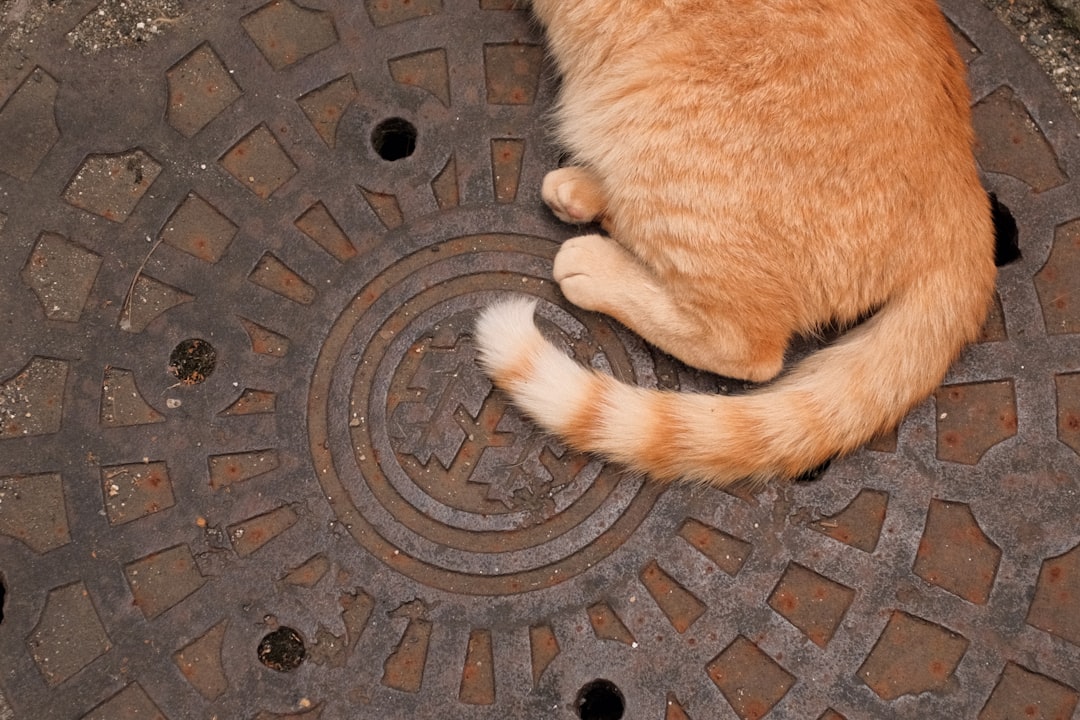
(1006, 235)
(192, 361)
(282, 650)
(394, 139)
(814, 473)
(600, 700)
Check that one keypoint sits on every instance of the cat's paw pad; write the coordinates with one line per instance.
(588, 271)
(572, 195)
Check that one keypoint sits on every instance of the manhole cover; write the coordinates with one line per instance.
(249, 468)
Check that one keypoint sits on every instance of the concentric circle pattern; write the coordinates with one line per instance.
(434, 471)
(335, 516)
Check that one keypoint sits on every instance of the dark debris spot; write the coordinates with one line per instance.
(192, 361)
(282, 650)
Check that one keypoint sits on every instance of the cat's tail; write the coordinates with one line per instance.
(829, 404)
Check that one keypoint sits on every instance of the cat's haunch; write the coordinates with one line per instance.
(763, 169)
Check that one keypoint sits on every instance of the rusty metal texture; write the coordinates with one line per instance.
(249, 469)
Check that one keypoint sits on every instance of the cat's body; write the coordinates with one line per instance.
(764, 168)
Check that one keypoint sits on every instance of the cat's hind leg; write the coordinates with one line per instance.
(596, 273)
(574, 194)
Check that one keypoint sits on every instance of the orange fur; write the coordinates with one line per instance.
(764, 168)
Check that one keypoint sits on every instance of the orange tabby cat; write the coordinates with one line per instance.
(764, 168)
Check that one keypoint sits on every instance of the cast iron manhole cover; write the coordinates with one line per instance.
(249, 469)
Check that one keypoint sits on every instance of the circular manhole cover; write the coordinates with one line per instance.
(312, 201)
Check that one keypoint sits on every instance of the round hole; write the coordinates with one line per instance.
(394, 139)
(814, 473)
(192, 361)
(1006, 235)
(282, 650)
(600, 700)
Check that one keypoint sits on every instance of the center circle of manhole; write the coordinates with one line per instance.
(429, 468)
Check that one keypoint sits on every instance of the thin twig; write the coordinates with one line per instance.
(125, 309)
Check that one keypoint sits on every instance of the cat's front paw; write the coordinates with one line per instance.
(592, 271)
(573, 194)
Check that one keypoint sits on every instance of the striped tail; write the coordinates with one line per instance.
(829, 404)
